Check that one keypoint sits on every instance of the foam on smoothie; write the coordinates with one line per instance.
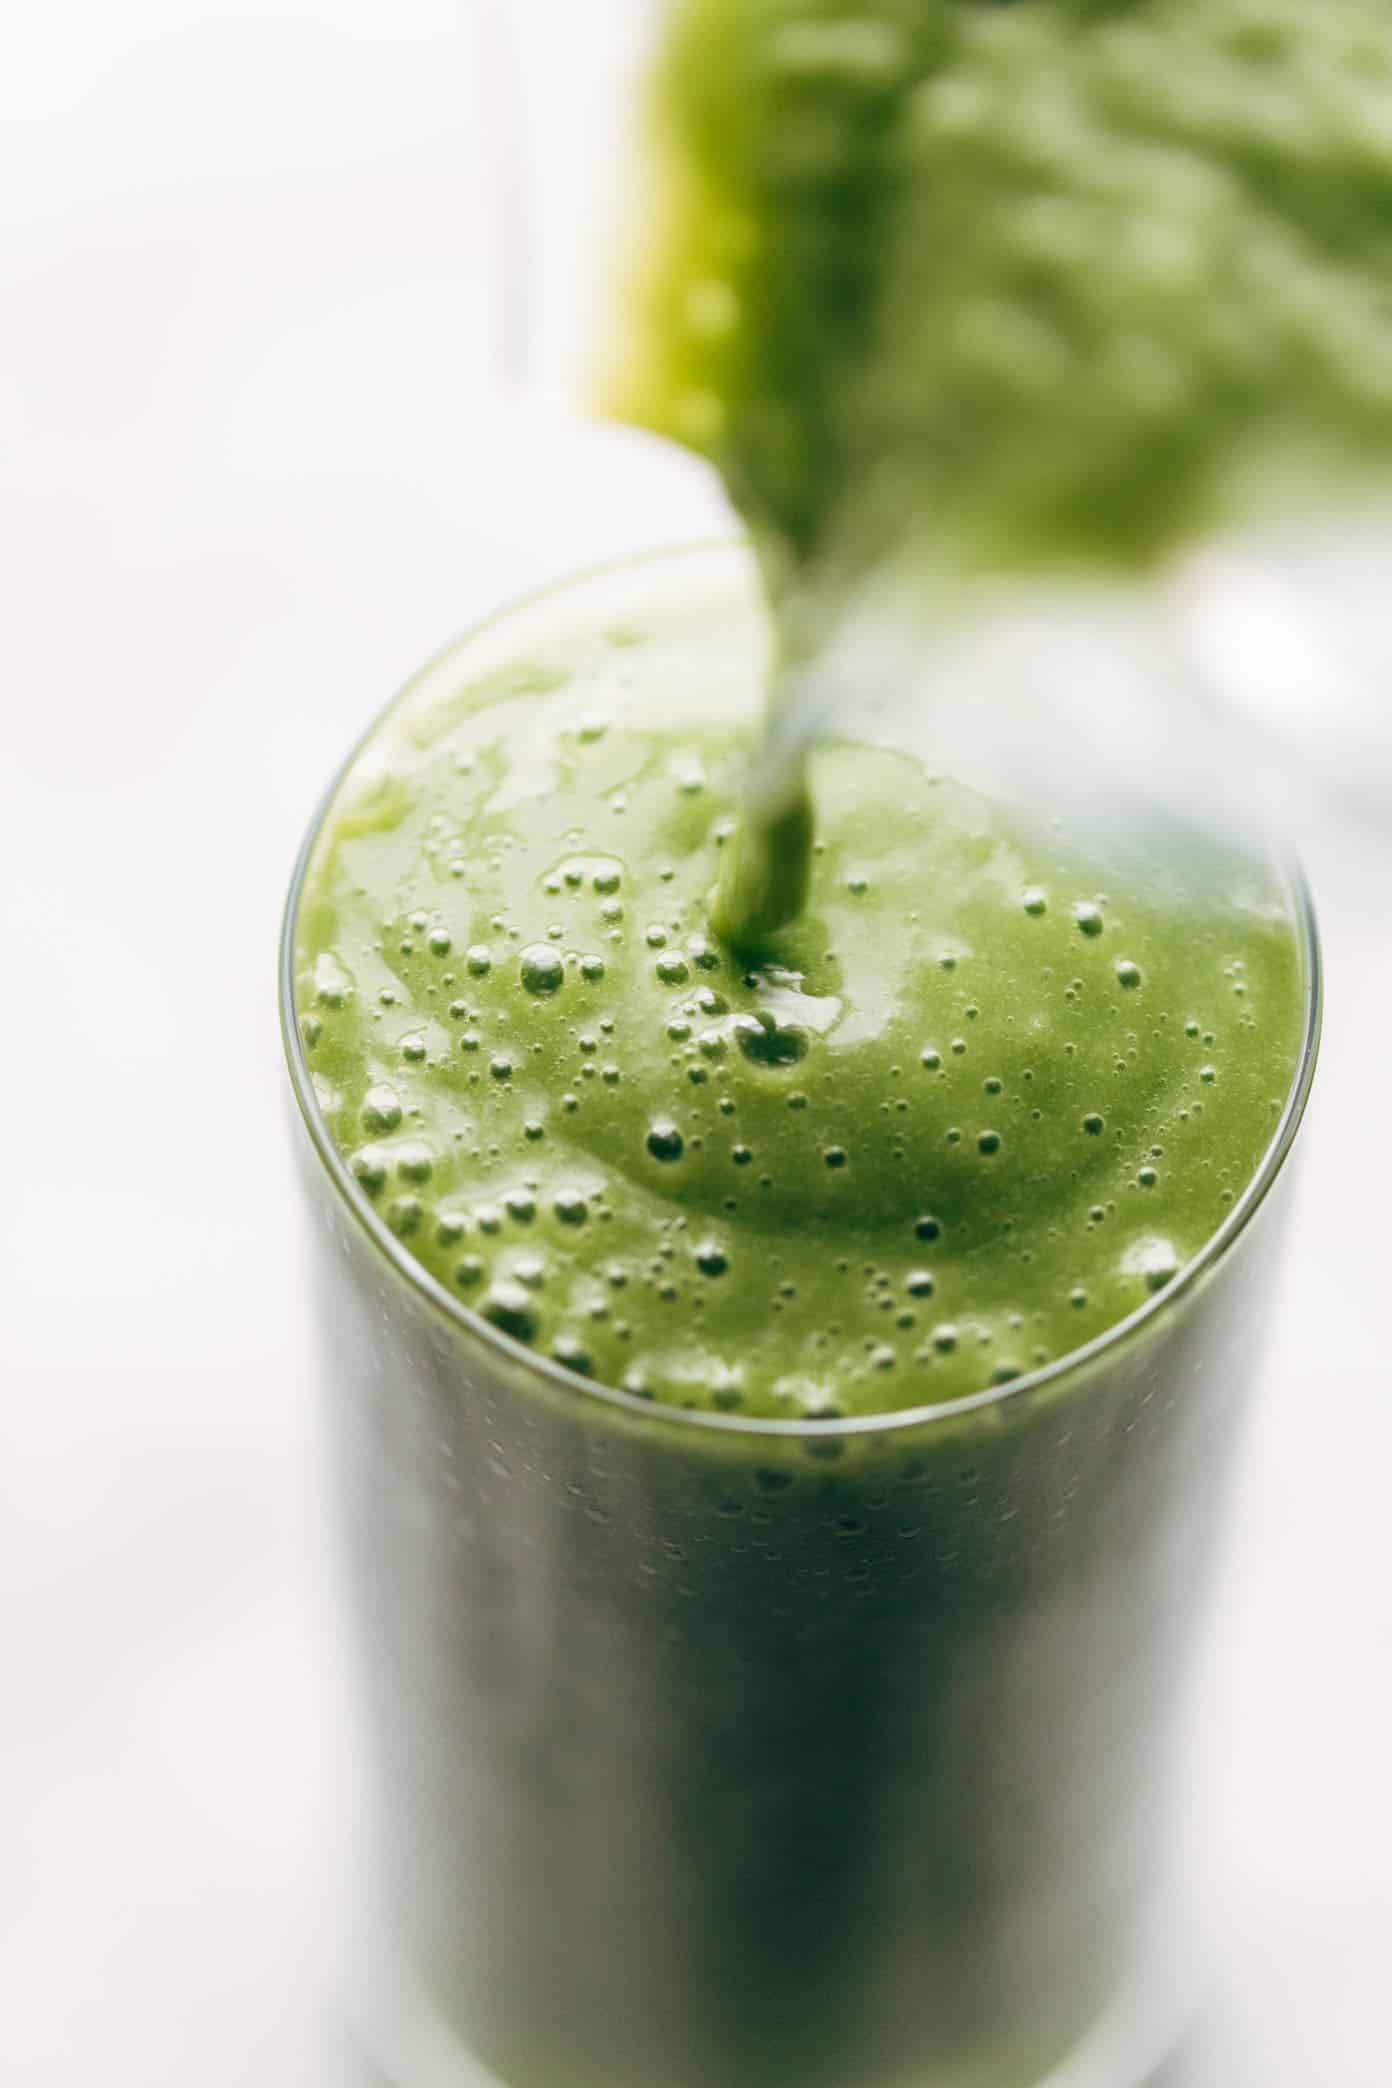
(986, 1096)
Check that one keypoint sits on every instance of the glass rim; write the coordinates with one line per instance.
(432, 1293)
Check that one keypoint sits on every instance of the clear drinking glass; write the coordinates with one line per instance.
(704, 1749)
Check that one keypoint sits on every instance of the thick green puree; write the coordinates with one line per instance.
(1057, 280)
(986, 1095)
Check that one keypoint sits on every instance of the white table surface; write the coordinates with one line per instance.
(250, 479)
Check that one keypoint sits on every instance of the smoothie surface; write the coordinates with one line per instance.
(985, 1097)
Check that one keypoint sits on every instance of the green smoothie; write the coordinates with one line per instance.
(1051, 281)
(767, 1687)
(789, 1239)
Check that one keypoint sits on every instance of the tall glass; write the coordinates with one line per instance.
(716, 1752)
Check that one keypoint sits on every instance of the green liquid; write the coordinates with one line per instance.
(705, 1754)
(1025, 285)
(986, 1096)
(722, 1758)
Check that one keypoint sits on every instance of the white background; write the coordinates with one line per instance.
(253, 468)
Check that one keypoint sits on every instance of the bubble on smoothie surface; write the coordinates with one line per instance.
(381, 1108)
(665, 1141)
(541, 968)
